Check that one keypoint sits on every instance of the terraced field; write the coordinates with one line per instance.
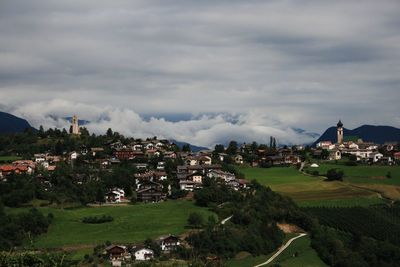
(310, 190)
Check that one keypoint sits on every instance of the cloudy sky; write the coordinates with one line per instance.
(202, 71)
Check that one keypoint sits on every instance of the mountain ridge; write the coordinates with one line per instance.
(378, 134)
(12, 124)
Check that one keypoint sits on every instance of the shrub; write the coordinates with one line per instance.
(195, 220)
(97, 219)
(334, 175)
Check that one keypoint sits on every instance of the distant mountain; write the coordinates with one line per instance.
(192, 147)
(12, 124)
(368, 133)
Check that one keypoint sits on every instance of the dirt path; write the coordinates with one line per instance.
(226, 219)
(280, 250)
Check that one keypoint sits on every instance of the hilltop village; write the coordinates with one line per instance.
(60, 168)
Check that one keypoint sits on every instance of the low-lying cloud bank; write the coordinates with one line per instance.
(204, 130)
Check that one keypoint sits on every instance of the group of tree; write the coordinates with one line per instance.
(15, 228)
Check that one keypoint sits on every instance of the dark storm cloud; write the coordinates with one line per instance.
(277, 64)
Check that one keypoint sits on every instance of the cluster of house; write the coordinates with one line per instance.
(44, 161)
(18, 167)
(140, 149)
(363, 151)
(198, 166)
(122, 254)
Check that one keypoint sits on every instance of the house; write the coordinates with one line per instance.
(204, 160)
(141, 166)
(39, 158)
(352, 145)
(137, 147)
(238, 159)
(127, 154)
(375, 157)
(335, 155)
(73, 155)
(359, 153)
(161, 165)
(192, 161)
(116, 195)
(222, 156)
(170, 155)
(96, 150)
(396, 155)
(196, 177)
(150, 191)
(237, 184)
(117, 253)
(8, 169)
(168, 243)
(143, 254)
(218, 174)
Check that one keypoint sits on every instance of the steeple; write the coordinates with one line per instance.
(340, 132)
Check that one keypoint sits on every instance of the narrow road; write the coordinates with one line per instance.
(280, 250)
(226, 219)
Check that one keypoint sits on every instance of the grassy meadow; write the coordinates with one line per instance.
(373, 178)
(306, 256)
(309, 190)
(132, 223)
(6, 159)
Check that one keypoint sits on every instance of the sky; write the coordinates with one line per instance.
(203, 72)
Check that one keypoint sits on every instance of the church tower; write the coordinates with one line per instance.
(340, 132)
(75, 125)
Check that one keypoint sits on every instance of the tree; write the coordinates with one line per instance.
(334, 175)
(195, 220)
(186, 148)
(324, 154)
(219, 148)
(109, 133)
(149, 243)
(232, 148)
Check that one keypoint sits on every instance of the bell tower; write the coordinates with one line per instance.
(340, 132)
(75, 125)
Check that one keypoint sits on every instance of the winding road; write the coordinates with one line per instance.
(281, 250)
(226, 219)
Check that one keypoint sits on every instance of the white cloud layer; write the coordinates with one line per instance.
(205, 130)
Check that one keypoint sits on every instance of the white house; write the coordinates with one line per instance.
(144, 254)
(169, 243)
(353, 145)
(375, 157)
(335, 155)
(116, 195)
(73, 155)
(238, 159)
(39, 158)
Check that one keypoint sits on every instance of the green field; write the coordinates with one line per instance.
(4, 159)
(306, 256)
(374, 174)
(373, 178)
(132, 223)
(310, 190)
